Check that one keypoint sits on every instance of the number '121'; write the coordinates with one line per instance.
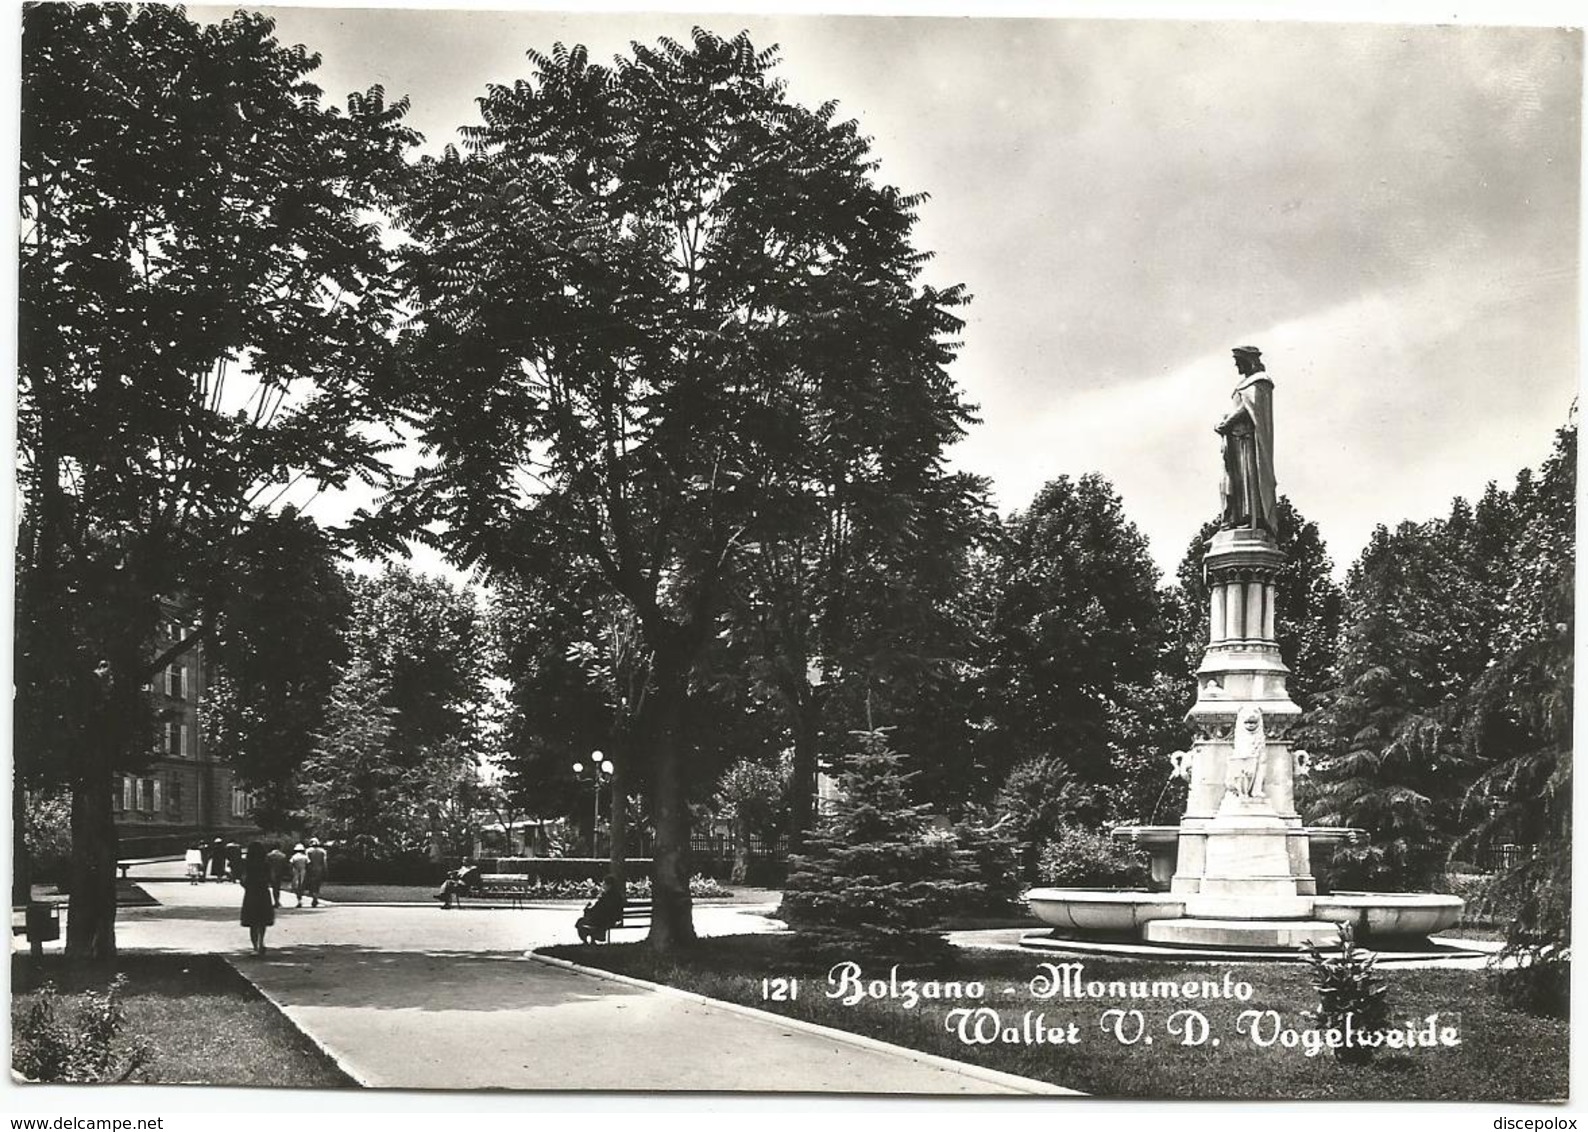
(780, 990)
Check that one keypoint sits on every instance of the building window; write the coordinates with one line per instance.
(242, 802)
(118, 794)
(176, 740)
(173, 798)
(176, 682)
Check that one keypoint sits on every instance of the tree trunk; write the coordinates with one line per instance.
(672, 924)
(91, 912)
(741, 852)
(802, 776)
(21, 861)
(618, 829)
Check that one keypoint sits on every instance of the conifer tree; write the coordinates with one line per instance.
(876, 881)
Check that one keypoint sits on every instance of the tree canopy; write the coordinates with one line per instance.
(278, 651)
(1075, 629)
(204, 303)
(402, 738)
(1433, 618)
(651, 298)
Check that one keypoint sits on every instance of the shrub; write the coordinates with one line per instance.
(1349, 988)
(994, 862)
(54, 1043)
(1041, 796)
(366, 861)
(1087, 858)
(1393, 865)
(48, 834)
(700, 886)
(1539, 983)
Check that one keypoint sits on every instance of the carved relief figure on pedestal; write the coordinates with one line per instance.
(1248, 487)
(1245, 772)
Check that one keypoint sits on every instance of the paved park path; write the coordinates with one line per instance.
(420, 998)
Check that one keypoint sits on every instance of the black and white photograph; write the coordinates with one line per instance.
(905, 553)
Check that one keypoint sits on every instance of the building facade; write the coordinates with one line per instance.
(182, 792)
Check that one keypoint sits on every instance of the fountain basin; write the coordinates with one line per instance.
(1101, 910)
(1161, 844)
(1390, 913)
(1374, 914)
(1330, 836)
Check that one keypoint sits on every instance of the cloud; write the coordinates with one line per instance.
(1386, 407)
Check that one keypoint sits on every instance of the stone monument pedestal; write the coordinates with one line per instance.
(1242, 851)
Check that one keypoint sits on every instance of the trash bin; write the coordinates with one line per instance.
(43, 922)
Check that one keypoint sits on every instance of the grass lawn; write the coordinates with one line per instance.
(207, 1025)
(128, 895)
(1502, 1055)
(371, 894)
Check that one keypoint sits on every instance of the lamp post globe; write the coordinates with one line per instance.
(599, 766)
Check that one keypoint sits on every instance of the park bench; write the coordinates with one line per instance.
(636, 914)
(513, 887)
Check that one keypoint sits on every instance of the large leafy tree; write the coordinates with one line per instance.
(202, 301)
(855, 609)
(1423, 605)
(1516, 722)
(634, 288)
(426, 645)
(279, 648)
(1074, 632)
(398, 756)
(751, 796)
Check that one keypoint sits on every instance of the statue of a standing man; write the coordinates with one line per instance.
(1248, 431)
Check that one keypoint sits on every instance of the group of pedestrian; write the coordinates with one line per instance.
(220, 859)
(262, 873)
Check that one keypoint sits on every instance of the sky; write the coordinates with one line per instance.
(1390, 211)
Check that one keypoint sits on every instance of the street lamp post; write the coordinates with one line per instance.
(600, 771)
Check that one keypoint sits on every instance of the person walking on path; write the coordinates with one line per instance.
(258, 912)
(278, 872)
(218, 859)
(194, 860)
(299, 864)
(316, 874)
(234, 861)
